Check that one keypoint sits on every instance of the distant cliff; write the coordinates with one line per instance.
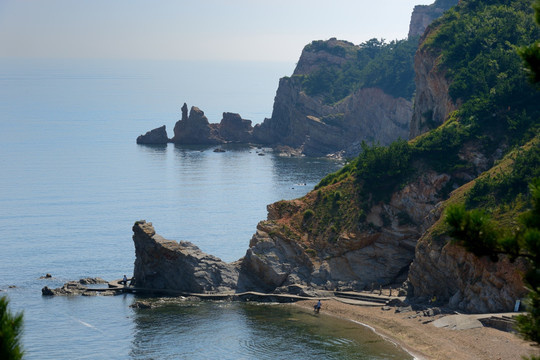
(339, 95)
(423, 15)
(305, 118)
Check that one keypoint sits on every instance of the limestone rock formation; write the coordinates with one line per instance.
(157, 136)
(163, 264)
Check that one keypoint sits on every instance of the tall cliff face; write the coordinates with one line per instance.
(432, 103)
(318, 129)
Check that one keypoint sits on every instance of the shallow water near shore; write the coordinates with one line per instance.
(74, 182)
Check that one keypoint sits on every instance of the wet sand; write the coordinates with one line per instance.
(423, 340)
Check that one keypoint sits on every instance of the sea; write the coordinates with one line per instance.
(73, 182)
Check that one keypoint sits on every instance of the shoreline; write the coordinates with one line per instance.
(420, 338)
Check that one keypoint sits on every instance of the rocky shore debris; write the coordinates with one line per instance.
(78, 288)
(141, 305)
(46, 276)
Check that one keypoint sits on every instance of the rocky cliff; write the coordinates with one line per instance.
(432, 103)
(423, 15)
(318, 128)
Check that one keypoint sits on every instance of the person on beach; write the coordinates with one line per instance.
(317, 307)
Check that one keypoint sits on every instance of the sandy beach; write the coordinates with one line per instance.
(423, 340)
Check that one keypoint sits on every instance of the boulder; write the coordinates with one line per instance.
(69, 288)
(157, 136)
(178, 266)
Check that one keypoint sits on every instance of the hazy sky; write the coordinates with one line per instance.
(274, 30)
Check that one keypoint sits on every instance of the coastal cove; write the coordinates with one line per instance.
(74, 182)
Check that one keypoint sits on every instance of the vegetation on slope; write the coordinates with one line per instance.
(374, 63)
(500, 112)
(501, 195)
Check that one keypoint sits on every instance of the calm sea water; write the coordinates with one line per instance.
(73, 182)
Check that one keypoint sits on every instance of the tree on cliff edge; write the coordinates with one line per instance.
(10, 332)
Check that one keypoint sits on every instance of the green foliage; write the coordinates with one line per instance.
(388, 66)
(531, 53)
(503, 188)
(479, 234)
(475, 226)
(439, 148)
(308, 215)
(478, 41)
(383, 168)
(10, 332)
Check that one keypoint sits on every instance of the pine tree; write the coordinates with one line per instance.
(10, 332)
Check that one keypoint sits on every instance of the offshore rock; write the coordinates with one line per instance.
(233, 128)
(195, 129)
(163, 264)
(157, 136)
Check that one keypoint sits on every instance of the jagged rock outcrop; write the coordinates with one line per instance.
(72, 288)
(423, 15)
(163, 264)
(283, 252)
(157, 136)
(195, 129)
(233, 128)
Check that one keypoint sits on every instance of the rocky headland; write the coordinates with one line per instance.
(318, 122)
